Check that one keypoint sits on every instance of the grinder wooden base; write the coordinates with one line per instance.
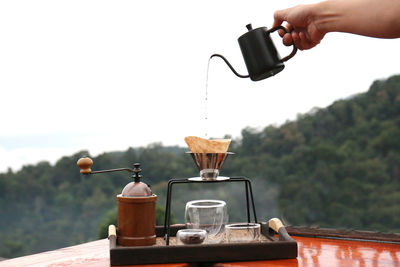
(136, 220)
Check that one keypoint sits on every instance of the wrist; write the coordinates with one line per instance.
(326, 16)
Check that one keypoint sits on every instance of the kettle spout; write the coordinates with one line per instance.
(230, 66)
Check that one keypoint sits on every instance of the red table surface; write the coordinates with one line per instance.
(311, 252)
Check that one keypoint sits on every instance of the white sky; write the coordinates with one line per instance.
(107, 75)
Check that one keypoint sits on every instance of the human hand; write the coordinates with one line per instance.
(302, 26)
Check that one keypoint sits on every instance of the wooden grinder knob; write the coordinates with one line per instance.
(85, 164)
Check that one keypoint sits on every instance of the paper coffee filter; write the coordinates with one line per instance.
(201, 145)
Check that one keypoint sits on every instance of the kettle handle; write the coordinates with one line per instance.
(230, 66)
(280, 27)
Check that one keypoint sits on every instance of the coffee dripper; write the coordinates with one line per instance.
(259, 53)
(209, 165)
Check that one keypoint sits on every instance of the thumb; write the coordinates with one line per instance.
(279, 17)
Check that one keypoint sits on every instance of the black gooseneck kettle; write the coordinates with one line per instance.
(260, 54)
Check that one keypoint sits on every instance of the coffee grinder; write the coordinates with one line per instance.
(136, 207)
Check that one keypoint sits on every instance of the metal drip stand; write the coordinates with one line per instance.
(211, 163)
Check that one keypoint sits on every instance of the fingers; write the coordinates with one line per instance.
(279, 17)
(277, 21)
(299, 39)
(287, 39)
(302, 41)
(288, 27)
(297, 35)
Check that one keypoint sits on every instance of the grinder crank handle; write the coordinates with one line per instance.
(86, 163)
(276, 225)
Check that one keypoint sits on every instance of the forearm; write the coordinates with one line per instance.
(376, 18)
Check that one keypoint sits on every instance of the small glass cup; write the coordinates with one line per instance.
(209, 215)
(190, 236)
(242, 232)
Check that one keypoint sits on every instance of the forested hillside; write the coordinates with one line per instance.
(335, 167)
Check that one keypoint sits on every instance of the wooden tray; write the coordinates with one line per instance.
(270, 247)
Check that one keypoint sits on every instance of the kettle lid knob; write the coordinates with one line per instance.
(249, 27)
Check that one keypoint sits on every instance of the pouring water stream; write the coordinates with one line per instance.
(206, 102)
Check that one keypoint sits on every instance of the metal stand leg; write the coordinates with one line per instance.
(168, 212)
(252, 201)
(167, 208)
(247, 202)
